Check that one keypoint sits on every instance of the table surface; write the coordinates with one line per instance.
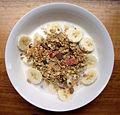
(108, 102)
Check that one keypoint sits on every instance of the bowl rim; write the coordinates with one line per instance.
(85, 10)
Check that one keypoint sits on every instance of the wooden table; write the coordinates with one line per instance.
(108, 102)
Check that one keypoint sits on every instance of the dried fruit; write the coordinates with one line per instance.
(59, 56)
(45, 62)
(70, 61)
(52, 54)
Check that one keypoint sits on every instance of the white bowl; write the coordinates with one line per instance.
(53, 12)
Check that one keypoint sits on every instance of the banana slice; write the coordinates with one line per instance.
(89, 77)
(64, 95)
(74, 34)
(33, 76)
(52, 88)
(91, 61)
(23, 42)
(54, 28)
(26, 61)
(87, 45)
(37, 39)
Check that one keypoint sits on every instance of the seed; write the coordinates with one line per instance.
(45, 62)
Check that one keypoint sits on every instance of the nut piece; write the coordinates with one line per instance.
(71, 90)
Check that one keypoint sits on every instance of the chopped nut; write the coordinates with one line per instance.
(45, 46)
(71, 90)
(31, 50)
(28, 81)
(57, 44)
(40, 53)
(22, 57)
(62, 64)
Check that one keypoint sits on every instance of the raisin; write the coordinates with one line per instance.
(44, 61)
(59, 56)
(70, 61)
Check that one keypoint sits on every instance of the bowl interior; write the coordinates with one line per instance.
(64, 12)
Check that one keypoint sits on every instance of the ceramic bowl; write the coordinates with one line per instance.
(65, 12)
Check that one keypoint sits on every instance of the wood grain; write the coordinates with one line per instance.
(107, 103)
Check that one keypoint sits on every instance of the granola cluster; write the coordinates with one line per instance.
(60, 61)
